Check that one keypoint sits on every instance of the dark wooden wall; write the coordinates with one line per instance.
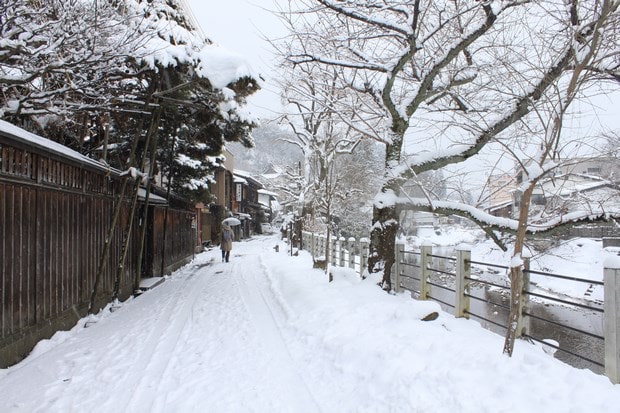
(179, 238)
(54, 218)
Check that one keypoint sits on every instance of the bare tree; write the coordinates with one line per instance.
(449, 78)
(319, 133)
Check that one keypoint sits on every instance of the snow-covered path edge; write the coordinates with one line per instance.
(267, 333)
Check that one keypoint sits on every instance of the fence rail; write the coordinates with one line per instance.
(449, 281)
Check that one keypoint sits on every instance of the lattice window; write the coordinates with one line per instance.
(15, 162)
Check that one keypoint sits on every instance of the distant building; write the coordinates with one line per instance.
(603, 167)
(577, 184)
(580, 184)
(269, 202)
(245, 203)
(501, 189)
(210, 216)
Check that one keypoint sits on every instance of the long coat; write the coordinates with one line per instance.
(226, 245)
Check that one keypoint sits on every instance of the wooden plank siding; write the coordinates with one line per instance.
(54, 218)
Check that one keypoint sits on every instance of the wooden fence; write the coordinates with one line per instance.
(56, 208)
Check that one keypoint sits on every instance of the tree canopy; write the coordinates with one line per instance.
(91, 75)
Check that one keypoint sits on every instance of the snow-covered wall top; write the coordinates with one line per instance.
(11, 131)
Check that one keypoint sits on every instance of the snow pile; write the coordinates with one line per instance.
(223, 67)
(267, 333)
(445, 236)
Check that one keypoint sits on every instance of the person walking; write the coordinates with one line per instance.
(226, 242)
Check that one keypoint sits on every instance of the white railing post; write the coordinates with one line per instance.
(611, 319)
(363, 256)
(523, 322)
(304, 238)
(463, 266)
(333, 246)
(341, 241)
(399, 255)
(317, 252)
(425, 251)
(351, 243)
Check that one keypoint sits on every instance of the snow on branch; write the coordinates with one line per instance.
(370, 18)
(136, 174)
(507, 225)
(308, 58)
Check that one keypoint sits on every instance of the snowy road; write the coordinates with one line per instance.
(267, 333)
(210, 337)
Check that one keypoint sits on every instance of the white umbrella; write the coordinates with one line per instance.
(231, 221)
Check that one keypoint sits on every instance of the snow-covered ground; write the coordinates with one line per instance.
(267, 333)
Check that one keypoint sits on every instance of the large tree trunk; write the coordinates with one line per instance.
(386, 216)
(385, 224)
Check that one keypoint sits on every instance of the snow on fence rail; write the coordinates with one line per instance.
(450, 281)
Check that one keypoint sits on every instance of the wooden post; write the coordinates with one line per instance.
(463, 267)
(351, 243)
(399, 255)
(341, 241)
(425, 251)
(364, 243)
(611, 319)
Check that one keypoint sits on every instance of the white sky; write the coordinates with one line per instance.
(240, 26)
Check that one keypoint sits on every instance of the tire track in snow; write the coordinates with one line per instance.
(164, 339)
(255, 291)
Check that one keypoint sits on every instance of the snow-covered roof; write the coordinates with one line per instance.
(242, 173)
(266, 192)
(153, 199)
(567, 184)
(499, 205)
(246, 175)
